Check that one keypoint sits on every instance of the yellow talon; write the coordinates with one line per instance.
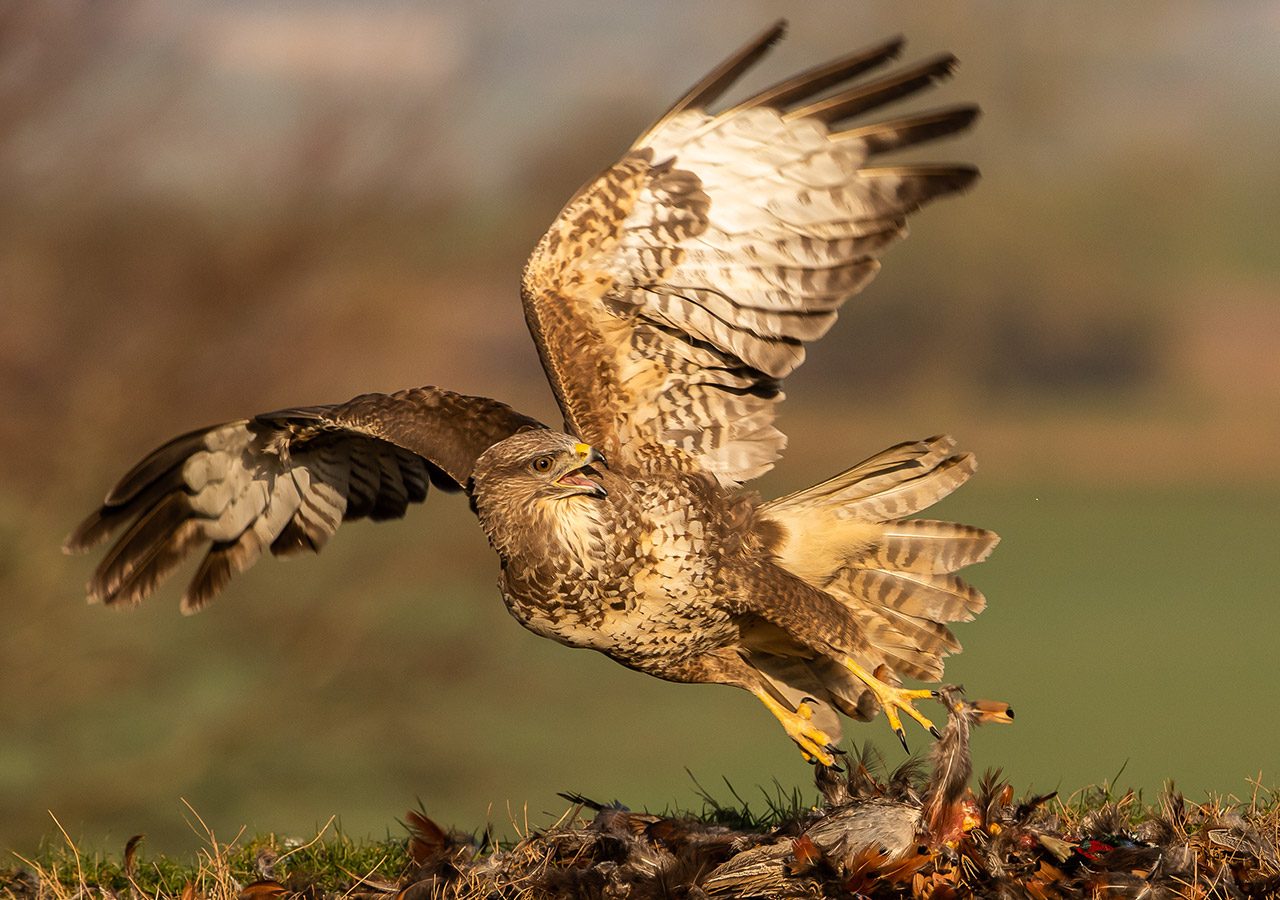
(813, 743)
(892, 699)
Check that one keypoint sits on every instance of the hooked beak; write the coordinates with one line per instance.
(579, 482)
(589, 455)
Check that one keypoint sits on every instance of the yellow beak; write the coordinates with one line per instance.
(589, 454)
(575, 480)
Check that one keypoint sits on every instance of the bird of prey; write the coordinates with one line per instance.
(668, 300)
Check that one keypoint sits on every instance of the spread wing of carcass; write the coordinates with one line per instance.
(282, 482)
(674, 293)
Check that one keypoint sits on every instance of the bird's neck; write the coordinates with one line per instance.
(568, 533)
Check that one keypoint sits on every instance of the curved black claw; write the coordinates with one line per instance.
(933, 730)
(902, 736)
(835, 753)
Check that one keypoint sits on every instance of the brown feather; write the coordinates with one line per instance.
(939, 597)
(819, 78)
(718, 80)
(137, 546)
(872, 95)
(874, 474)
(154, 564)
(926, 545)
(391, 497)
(894, 134)
(162, 460)
(95, 529)
(914, 186)
(915, 490)
(295, 539)
(219, 564)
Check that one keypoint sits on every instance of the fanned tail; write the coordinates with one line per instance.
(848, 536)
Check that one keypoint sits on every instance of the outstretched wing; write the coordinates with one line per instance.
(675, 291)
(283, 482)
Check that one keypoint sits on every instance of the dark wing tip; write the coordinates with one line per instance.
(826, 75)
(718, 80)
(191, 605)
(912, 130)
(162, 461)
(919, 184)
(950, 179)
(221, 562)
(864, 97)
(87, 535)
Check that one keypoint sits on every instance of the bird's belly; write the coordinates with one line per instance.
(631, 629)
(553, 621)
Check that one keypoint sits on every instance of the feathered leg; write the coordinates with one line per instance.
(727, 666)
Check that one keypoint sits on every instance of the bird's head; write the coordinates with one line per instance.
(540, 465)
(521, 484)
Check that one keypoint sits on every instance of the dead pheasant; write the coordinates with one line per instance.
(875, 832)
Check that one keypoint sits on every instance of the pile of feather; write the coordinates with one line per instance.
(919, 833)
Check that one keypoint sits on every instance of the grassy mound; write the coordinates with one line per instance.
(872, 834)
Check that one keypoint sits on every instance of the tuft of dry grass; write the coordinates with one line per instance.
(1092, 844)
(330, 864)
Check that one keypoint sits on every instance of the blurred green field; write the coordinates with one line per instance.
(1128, 627)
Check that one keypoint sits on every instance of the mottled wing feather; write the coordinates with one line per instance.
(282, 483)
(675, 292)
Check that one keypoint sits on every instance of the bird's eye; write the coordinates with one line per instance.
(542, 463)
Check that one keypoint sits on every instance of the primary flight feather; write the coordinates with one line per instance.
(668, 301)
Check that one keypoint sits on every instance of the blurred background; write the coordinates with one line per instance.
(214, 209)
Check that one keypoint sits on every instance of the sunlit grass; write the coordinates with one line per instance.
(328, 863)
(1244, 836)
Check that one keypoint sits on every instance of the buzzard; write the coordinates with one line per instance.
(668, 300)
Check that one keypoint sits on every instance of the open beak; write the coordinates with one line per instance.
(576, 478)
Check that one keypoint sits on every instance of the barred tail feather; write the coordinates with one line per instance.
(896, 482)
(848, 536)
(930, 546)
(939, 597)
